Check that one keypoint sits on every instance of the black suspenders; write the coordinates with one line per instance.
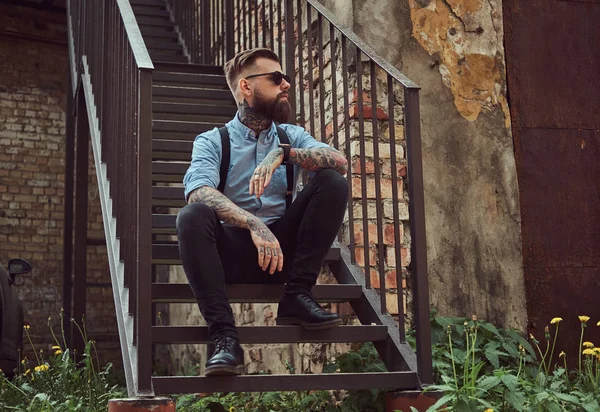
(226, 159)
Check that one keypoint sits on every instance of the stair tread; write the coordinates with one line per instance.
(191, 108)
(260, 293)
(181, 146)
(169, 253)
(193, 92)
(170, 79)
(300, 382)
(181, 126)
(187, 68)
(273, 334)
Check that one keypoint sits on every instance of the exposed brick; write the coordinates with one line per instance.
(385, 184)
(390, 256)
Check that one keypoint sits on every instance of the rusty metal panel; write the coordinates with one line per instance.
(567, 294)
(553, 59)
(559, 183)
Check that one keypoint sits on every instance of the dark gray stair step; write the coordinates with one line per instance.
(155, 21)
(190, 80)
(163, 149)
(187, 68)
(182, 293)
(183, 117)
(157, 3)
(300, 382)
(176, 146)
(159, 44)
(150, 10)
(168, 254)
(191, 127)
(273, 334)
(169, 168)
(167, 192)
(157, 31)
(158, 55)
(198, 109)
(193, 92)
(174, 135)
(152, 33)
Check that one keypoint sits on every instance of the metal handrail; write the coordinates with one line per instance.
(112, 83)
(364, 47)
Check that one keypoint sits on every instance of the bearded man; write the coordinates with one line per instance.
(245, 232)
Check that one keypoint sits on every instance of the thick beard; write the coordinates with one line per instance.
(275, 110)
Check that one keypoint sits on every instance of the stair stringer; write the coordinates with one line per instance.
(395, 354)
(125, 321)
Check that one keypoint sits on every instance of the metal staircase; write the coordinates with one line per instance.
(162, 98)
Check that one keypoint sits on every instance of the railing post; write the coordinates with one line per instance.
(205, 32)
(418, 254)
(289, 52)
(144, 233)
(229, 35)
(81, 205)
(68, 216)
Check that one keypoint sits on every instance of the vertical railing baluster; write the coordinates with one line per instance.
(300, 65)
(229, 20)
(321, 77)
(271, 26)
(279, 29)
(346, 97)
(418, 249)
(245, 16)
(289, 53)
(311, 97)
(395, 199)
(256, 43)
(334, 108)
(378, 197)
(263, 23)
(363, 165)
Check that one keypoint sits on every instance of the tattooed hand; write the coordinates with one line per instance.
(264, 171)
(317, 159)
(269, 252)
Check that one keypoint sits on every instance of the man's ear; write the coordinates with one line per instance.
(244, 88)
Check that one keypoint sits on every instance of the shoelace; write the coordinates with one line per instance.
(224, 344)
(309, 299)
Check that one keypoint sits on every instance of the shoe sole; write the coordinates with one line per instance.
(283, 321)
(224, 370)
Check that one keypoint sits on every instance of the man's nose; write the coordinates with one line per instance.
(285, 85)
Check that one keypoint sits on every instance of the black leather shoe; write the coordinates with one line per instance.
(302, 309)
(228, 358)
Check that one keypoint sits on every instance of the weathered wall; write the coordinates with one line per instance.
(453, 50)
(33, 93)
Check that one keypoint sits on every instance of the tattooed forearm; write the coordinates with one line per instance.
(261, 230)
(251, 119)
(317, 159)
(227, 211)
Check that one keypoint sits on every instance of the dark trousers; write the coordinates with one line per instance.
(214, 254)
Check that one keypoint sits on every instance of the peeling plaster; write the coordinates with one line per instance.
(465, 37)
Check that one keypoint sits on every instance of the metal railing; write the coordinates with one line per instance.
(112, 71)
(366, 92)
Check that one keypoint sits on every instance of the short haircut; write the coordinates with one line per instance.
(234, 67)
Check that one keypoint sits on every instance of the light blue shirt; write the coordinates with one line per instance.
(247, 152)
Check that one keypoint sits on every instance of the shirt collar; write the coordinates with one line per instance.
(248, 133)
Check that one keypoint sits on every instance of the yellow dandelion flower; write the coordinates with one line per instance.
(555, 320)
(57, 352)
(598, 324)
(584, 319)
(1, 371)
(55, 347)
(588, 352)
(27, 371)
(232, 409)
(597, 350)
(588, 345)
(26, 327)
(489, 410)
(561, 354)
(41, 368)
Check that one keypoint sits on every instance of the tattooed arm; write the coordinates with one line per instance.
(267, 245)
(320, 158)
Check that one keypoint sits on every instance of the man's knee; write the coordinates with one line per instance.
(194, 216)
(333, 183)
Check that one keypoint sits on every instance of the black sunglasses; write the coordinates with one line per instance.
(277, 77)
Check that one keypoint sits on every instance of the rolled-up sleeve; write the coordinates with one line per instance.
(206, 160)
(300, 139)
